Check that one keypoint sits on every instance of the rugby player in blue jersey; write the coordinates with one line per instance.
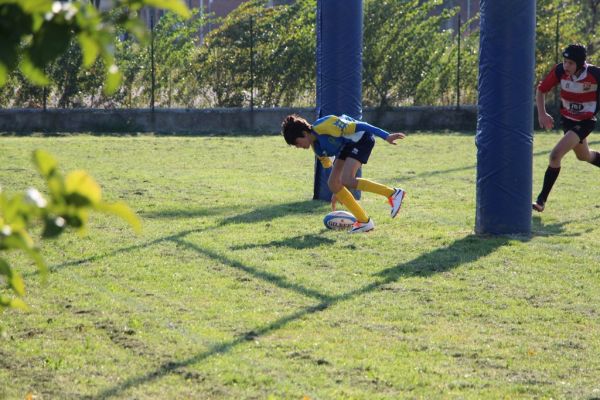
(350, 141)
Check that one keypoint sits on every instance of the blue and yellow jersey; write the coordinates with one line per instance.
(333, 132)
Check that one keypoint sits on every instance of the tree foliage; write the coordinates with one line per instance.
(266, 54)
(402, 41)
(67, 204)
(35, 33)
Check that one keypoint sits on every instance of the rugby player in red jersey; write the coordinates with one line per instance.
(579, 90)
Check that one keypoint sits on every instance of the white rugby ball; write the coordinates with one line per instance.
(339, 220)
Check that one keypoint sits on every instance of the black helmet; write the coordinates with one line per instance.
(577, 53)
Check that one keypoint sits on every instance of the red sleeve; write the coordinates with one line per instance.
(549, 81)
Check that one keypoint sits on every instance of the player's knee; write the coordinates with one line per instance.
(584, 157)
(349, 182)
(334, 185)
(555, 157)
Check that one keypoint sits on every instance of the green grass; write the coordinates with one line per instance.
(235, 289)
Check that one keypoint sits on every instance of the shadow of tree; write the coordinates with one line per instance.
(462, 251)
(467, 249)
(301, 242)
(472, 167)
(188, 212)
(277, 280)
(260, 214)
(538, 228)
(272, 212)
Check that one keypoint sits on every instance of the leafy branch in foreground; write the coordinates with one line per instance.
(34, 33)
(69, 201)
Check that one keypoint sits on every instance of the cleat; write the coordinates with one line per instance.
(396, 201)
(359, 227)
(538, 207)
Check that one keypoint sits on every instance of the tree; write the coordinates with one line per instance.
(403, 40)
(270, 50)
(35, 33)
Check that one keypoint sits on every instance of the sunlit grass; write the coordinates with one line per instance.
(236, 290)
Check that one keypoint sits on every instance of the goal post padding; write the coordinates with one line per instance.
(339, 70)
(504, 137)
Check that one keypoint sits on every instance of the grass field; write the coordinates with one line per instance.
(235, 290)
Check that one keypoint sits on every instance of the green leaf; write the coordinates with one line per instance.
(14, 279)
(16, 282)
(3, 74)
(18, 303)
(35, 6)
(5, 268)
(33, 73)
(82, 189)
(53, 226)
(113, 80)
(177, 6)
(49, 42)
(89, 47)
(123, 211)
(45, 163)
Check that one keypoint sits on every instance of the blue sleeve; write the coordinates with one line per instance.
(363, 126)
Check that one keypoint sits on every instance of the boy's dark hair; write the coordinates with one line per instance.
(293, 127)
(577, 53)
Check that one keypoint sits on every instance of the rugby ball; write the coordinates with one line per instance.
(339, 220)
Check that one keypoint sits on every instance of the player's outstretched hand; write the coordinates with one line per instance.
(333, 202)
(392, 137)
(546, 121)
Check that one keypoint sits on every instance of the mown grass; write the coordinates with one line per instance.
(236, 290)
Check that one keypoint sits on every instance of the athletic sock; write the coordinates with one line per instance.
(348, 200)
(374, 187)
(549, 179)
(596, 159)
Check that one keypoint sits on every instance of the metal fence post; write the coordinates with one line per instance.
(152, 77)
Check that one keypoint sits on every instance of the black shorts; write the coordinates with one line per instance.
(360, 150)
(581, 128)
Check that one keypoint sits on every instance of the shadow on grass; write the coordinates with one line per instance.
(277, 280)
(472, 167)
(188, 212)
(260, 214)
(298, 242)
(465, 250)
(272, 212)
(462, 251)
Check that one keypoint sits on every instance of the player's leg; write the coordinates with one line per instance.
(564, 145)
(360, 153)
(342, 193)
(584, 153)
(349, 181)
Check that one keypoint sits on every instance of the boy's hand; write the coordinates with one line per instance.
(333, 202)
(392, 137)
(546, 121)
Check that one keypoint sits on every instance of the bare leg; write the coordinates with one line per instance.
(567, 143)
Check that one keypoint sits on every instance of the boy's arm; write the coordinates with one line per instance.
(388, 137)
(363, 126)
(546, 121)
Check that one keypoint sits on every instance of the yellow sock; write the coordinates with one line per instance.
(374, 187)
(347, 199)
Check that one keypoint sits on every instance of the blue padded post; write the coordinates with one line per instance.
(339, 70)
(504, 136)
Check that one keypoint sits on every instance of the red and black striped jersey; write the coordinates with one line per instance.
(578, 95)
